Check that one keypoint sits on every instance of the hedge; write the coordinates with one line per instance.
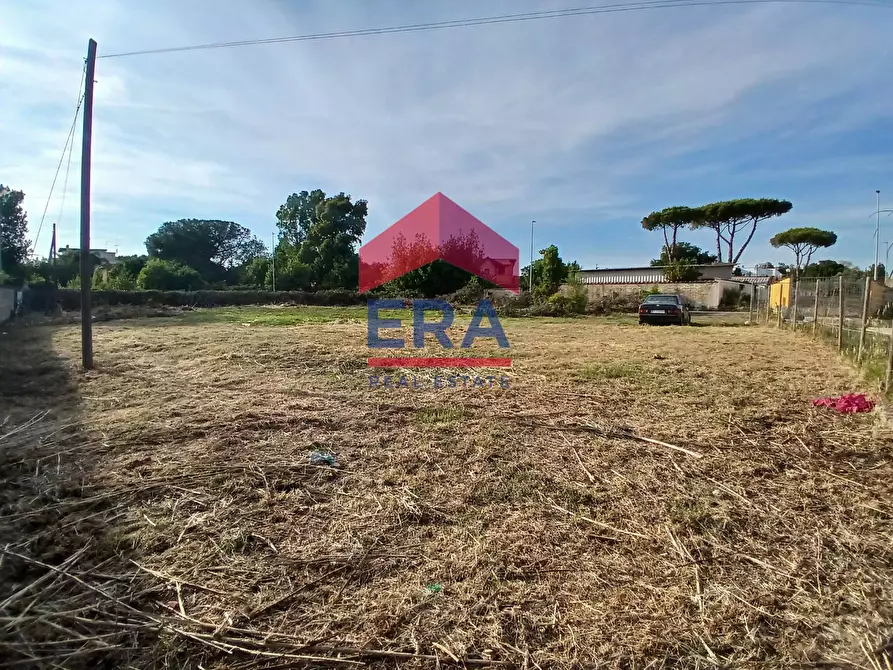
(41, 299)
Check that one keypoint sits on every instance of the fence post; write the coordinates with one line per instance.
(768, 302)
(840, 314)
(796, 296)
(750, 307)
(889, 361)
(864, 325)
(815, 309)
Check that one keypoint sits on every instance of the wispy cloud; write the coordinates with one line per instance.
(586, 124)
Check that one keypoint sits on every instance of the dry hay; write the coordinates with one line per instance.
(165, 513)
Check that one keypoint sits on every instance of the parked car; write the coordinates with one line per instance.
(657, 309)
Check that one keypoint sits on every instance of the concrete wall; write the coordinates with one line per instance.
(703, 295)
(7, 303)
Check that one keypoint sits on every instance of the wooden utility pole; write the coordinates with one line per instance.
(273, 259)
(840, 314)
(815, 309)
(86, 149)
(864, 325)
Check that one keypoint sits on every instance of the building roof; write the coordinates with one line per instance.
(657, 267)
(753, 280)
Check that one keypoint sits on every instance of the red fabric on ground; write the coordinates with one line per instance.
(849, 403)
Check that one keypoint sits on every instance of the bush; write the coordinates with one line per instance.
(680, 271)
(469, 294)
(616, 303)
(578, 296)
(731, 298)
(162, 275)
(70, 300)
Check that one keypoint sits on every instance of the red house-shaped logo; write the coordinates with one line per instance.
(439, 229)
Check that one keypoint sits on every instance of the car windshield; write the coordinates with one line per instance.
(663, 299)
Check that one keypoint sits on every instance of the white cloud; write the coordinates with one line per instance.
(570, 119)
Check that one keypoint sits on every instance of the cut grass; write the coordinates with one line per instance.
(435, 415)
(557, 538)
(612, 370)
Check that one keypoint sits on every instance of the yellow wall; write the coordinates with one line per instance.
(780, 293)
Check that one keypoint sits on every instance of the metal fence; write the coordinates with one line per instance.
(850, 314)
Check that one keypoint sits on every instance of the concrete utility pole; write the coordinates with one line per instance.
(86, 151)
(530, 277)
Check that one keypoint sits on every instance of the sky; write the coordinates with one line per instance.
(584, 124)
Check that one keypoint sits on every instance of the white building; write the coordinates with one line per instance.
(652, 275)
(105, 256)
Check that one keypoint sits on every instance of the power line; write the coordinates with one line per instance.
(67, 170)
(639, 5)
(68, 141)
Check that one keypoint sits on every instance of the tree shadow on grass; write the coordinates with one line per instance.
(64, 599)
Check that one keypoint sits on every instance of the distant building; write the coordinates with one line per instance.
(652, 274)
(498, 270)
(107, 257)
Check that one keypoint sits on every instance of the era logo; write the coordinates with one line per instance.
(420, 327)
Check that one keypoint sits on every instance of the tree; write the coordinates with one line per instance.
(826, 268)
(14, 245)
(254, 272)
(803, 242)
(553, 273)
(67, 269)
(162, 275)
(545, 270)
(669, 221)
(322, 233)
(298, 214)
(881, 271)
(685, 251)
(731, 218)
(211, 247)
(132, 265)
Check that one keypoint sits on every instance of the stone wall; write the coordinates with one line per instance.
(700, 294)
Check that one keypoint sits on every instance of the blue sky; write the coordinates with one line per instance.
(585, 124)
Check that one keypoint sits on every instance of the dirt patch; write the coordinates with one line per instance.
(528, 526)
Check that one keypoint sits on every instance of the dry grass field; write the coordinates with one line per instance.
(638, 498)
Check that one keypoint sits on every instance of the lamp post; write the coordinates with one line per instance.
(530, 274)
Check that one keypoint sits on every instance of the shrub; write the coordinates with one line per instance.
(469, 294)
(578, 296)
(731, 298)
(70, 299)
(616, 303)
(680, 271)
(162, 275)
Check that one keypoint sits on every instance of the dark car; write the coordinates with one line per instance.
(658, 309)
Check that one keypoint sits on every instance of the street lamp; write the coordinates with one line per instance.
(530, 274)
(877, 234)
